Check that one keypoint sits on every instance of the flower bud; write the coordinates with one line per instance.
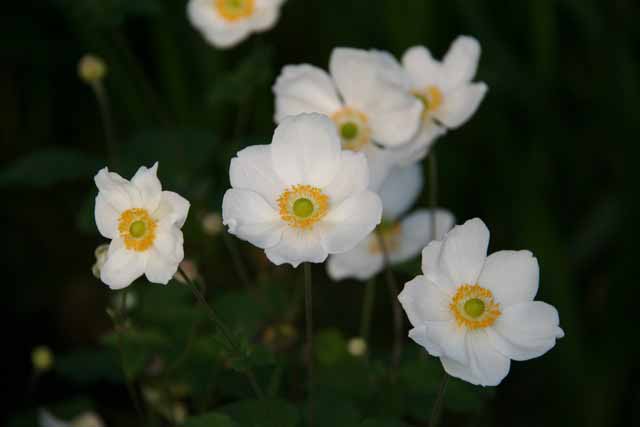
(357, 346)
(42, 358)
(212, 223)
(91, 69)
(101, 257)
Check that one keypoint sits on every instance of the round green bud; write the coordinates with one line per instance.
(137, 229)
(42, 358)
(474, 307)
(349, 130)
(91, 68)
(302, 207)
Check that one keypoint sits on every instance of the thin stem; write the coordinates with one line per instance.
(398, 321)
(238, 264)
(437, 406)
(367, 308)
(308, 294)
(107, 122)
(119, 324)
(224, 330)
(433, 190)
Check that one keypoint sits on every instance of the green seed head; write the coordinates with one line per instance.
(137, 229)
(302, 208)
(349, 130)
(474, 307)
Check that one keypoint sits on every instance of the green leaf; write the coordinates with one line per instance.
(330, 347)
(212, 419)
(263, 413)
(49, 166)
(139, 346)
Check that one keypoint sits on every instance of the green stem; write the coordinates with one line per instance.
(367, 309)
(224, 330)
(433, 190)
(236, 258)
(309, 350)
(107, 122)
(437, 406)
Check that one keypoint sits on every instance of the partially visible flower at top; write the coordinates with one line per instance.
(212, 224)
(101, 257)
(357, 346)
(225, 23)
(86, 419)
(42, 358)
(91, 69)
(144, 224)
(367, 95)
(476, 312)
(403, 237)
(445, 88)
(302, 197)
(191, 270)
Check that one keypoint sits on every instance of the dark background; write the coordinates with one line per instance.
(549, 162)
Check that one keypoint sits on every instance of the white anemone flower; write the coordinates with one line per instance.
(365, 95)
(302, 197)
(445, 88)
(476, 312)
(404, 236)
(143, 223)
(225, 23)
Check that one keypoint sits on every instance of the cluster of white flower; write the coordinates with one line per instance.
(341, 173)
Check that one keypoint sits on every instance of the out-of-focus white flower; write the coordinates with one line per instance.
(367, 95)
(404, 237)
(191, 270)
(357, 346)
(212, 223)
(144, 224)
(476, 312)
(86, 419)
(42, 358)
(302, 197)
(101, 257)
(445, 88)
(225, 23)
(91, 69)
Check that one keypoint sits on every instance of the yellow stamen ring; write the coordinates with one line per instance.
(137, 229)
(431, 97)
(301, 206)
(473, 307)
(353, 128)
(234, 10)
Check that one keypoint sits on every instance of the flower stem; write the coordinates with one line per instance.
(308, 294)
(433, 190)
(107, 122)
(367, 308)
(398, 322)
(437, 406)
(238, 264)
(224, 330)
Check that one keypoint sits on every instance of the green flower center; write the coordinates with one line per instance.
(349, 130)
(137, 229)
(302, 207)
(474, 307)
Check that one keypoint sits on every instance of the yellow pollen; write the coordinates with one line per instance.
(137, 229)
(431, 97)
(473, 307)
(234, 10)
(353, 128)
(390, 233)
(301, 206)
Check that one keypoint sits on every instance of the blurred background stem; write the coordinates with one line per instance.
(308, 298)
(107, 123)
(433, 190)
(437, 406)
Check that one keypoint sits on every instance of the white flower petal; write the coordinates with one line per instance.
(423, 301)
(432, 269)
(107, 218)
(394, 115)
(266, 15)
(358, 263)
(458, 370)
(461, 62)
(218, 31)
(488, 365)
(464, 251)
(350, 222)
(304, 89)
(306, 150)
(147, 182)
(297, 246)
(421, 67)
(525, 331)
(419, 335)
(165, 256)
(117, 191)
(122, 266)
(416, 232)
(400, 190)
(47, 419)
(512, 277)
(252, 169)
(173, 209)
(251, 218)
(420, 145)
(380, 162)
(354, 72)
(449, 337)
(460, 104)
(352, 177)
